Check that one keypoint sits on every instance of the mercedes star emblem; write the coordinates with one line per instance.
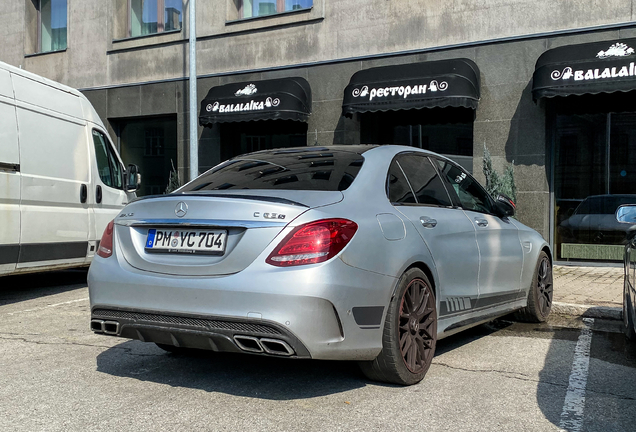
(181, 210)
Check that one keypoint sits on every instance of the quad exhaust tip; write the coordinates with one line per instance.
(259, 345)
(106, 327)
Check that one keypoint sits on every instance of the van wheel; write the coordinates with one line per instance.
(410, 333)
(540, 293)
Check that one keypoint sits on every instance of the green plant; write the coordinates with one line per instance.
(174, 181)
(499, 184)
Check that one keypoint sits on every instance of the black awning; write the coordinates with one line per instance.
(445, 83)
(591, 68)
(276, 99)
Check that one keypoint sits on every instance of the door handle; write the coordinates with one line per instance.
(428, 222)
(83, 193)
(481, 222)
(98, 194)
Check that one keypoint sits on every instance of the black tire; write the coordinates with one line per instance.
(540, 293)
(410, 333)
(628, 323)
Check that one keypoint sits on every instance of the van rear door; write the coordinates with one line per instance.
(9, 178)
(54, 164)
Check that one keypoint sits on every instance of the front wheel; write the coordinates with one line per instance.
(540, 293)
(410, 333)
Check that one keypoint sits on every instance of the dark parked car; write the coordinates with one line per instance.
(593, 221)
(626, 216)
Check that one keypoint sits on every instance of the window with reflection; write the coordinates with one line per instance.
(257, 8)
(154, 16)
(52, 23)
(109, 168)
(594, 174)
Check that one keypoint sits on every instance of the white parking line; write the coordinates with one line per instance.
(572, 414)
(48, 306)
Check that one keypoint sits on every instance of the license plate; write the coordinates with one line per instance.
(206, 242)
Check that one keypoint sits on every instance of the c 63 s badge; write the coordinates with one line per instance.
(270, 215)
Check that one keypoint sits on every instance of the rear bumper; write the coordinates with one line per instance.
(308, 308)
(201, 332)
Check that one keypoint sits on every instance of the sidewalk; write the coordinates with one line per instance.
(588, 291)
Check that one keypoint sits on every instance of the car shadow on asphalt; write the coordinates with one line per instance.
(250, 375)
(470, 335)
(235, 374)
(605, 399)
(18, 288)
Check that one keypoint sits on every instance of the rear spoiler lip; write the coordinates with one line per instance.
(276, 200)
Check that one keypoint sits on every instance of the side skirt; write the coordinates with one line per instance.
(449, 326)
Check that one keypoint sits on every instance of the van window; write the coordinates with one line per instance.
(109, 168)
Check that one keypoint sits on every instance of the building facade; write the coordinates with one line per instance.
(471, 70)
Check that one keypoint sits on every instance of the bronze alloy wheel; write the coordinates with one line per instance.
(544, 286)
(410, 333)
(418, 326)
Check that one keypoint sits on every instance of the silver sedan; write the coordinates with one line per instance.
(367, 253)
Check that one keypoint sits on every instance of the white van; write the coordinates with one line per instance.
(61, 179)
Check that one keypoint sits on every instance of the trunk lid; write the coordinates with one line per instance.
(251, 219)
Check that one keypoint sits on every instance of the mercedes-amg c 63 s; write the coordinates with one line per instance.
(367, 253)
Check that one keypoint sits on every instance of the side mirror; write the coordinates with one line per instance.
(133, 178)
(505, 206)
(626, 214)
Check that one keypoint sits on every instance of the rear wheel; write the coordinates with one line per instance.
(628, 322)
(410, 333)
(540, 293)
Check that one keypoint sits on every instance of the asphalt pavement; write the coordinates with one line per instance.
(572, 373)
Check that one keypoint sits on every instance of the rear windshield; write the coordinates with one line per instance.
(297, 169)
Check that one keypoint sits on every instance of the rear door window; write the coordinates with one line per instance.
(423, 180)
(297, 169)
(398, 188)
(468, 192)
(108, 166)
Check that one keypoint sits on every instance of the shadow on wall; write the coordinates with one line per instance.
(526, 143)
(209, 148)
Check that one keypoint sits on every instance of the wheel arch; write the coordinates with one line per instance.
(427, 271)
(548, 252)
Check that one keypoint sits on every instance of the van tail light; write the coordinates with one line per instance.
(106, 243)
(312, 243)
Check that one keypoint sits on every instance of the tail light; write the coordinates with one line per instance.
(106, 243)
(312, 243)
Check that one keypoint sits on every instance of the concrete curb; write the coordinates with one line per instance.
(588, 311)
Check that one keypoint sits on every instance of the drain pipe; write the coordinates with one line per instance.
(194, 126)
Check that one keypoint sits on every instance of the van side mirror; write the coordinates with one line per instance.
(504, 206)
(133, 178)
(626, 213)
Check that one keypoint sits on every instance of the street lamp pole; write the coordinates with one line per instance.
(194, 127)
